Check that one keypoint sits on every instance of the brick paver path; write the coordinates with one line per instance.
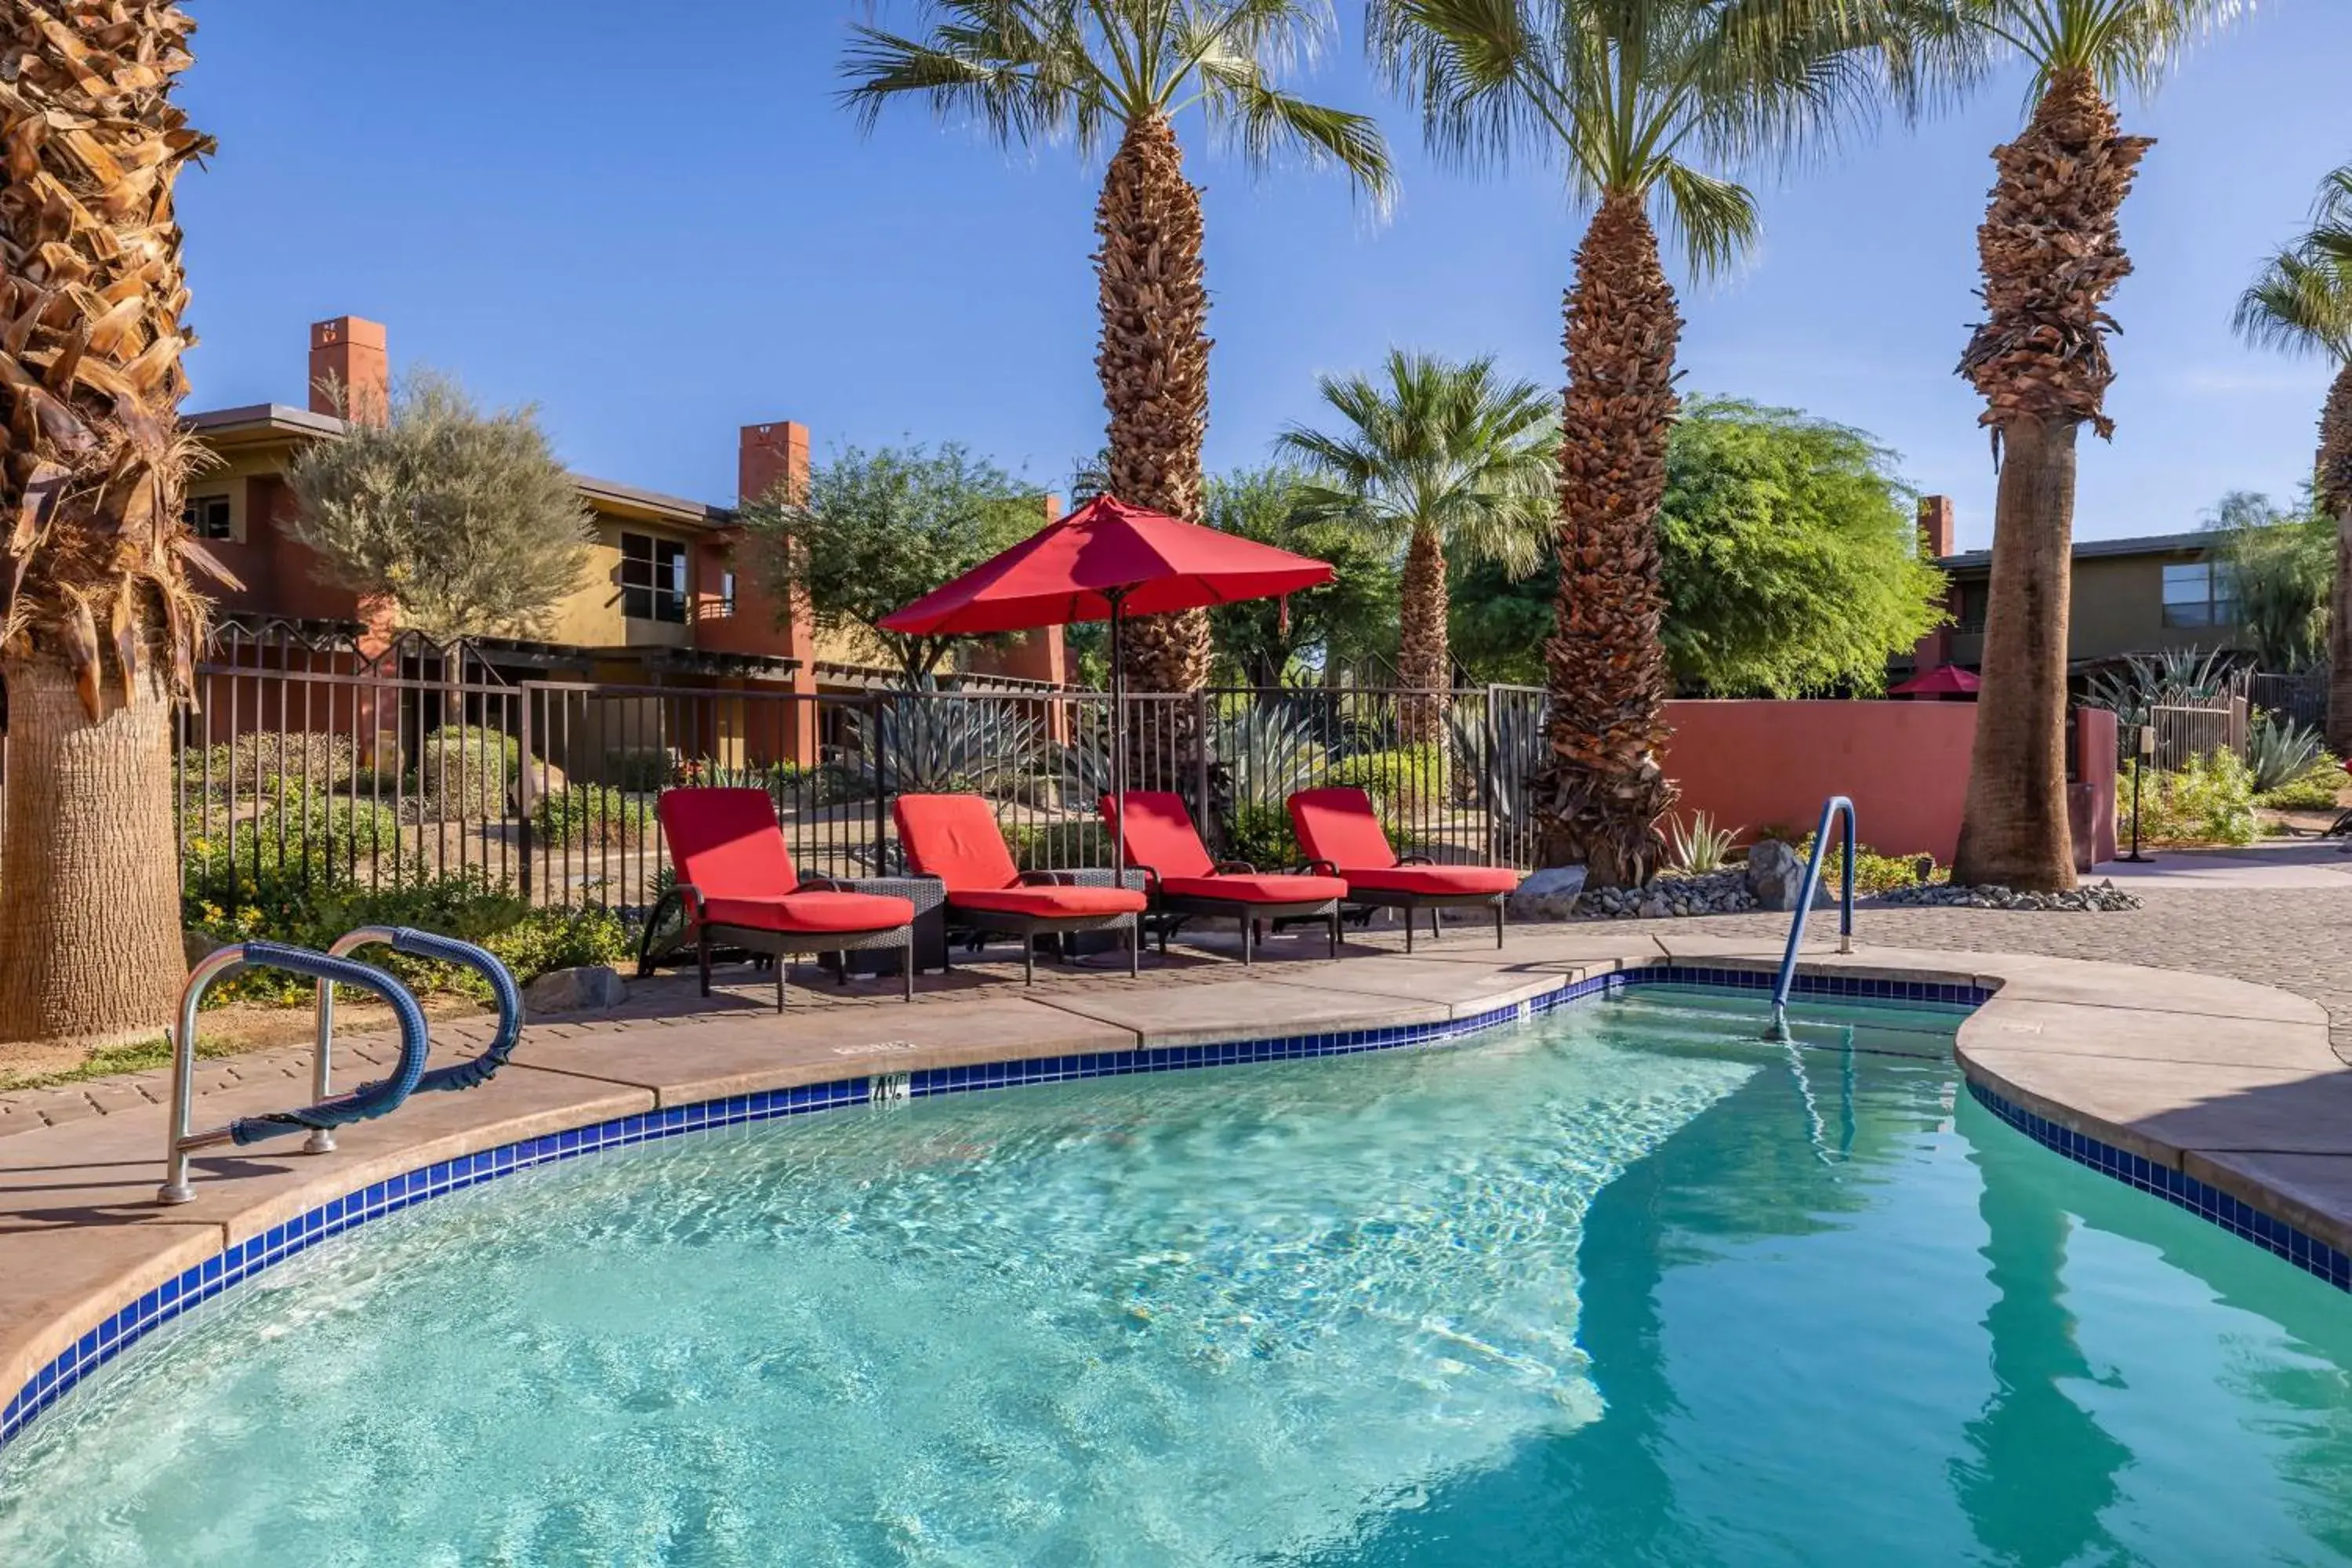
(2297, 939)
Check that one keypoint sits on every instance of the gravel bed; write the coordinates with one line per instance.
(2090, 899)
(1668, 898)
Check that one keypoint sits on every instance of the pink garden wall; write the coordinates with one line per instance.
(1904, 764)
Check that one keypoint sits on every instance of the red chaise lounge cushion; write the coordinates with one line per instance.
(1338, 825)
(955, 838)
(728, 845)
(1158, 832)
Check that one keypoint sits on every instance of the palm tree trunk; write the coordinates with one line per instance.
(2013, 828)
(1154, 365)
(90, 915)
(1601, 793)
(2052, 254)
(1421, 655)
(98, 626)
(2335, 496)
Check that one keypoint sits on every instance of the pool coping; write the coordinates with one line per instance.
(2176, 1041)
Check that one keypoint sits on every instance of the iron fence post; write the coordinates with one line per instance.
(525, 794)
(881, 797)
(1200, 756)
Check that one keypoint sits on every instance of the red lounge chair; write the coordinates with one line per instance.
(1162, 844)
(736, 887)
(1343, 837)
(955, 838)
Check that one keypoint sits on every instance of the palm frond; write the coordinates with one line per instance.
(2302, 301)
(1264, 120)
(1019, 68)
(1716, 220)
(1472, 65)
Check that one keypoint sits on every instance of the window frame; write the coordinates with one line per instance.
(195, 512)
(645, 596)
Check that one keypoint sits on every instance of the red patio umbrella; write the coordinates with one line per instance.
(1944, 680)
(1106, 561)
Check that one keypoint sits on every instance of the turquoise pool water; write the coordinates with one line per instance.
(1620, 1287)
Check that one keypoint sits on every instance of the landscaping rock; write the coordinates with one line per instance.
(1776, 876)
(590, 988)
(2090, 899)
(1670, 898)
(1547, 895)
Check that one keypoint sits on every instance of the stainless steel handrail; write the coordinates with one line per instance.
(322, 1071)
(1777, 1031)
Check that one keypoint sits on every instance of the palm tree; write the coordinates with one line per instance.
(1104, 71)
(99, 629)
(2303, 304)
(1443, 456)
(1634, 97)
(2052, 255)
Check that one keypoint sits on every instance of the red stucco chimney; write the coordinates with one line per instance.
(1938, 528)
(348, 353)
(770, 456)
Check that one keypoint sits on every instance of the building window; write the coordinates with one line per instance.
(1973, 598)
(727, 593)
(653, 579)
(2199, 593)
(207, 517)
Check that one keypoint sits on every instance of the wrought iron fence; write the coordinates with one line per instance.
(288, 780)
(2300, 699)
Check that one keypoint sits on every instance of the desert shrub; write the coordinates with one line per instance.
(1406, 781)
(593, 817)
(641, 770)
(1066, 845)
(2209, 801)
(1698, 846)
(465, 771)
(1262, 836)
(466, 905)
(1872, 873)
(2279, 752)
(2314, 790)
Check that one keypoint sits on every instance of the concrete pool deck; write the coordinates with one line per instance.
(2233, 1083)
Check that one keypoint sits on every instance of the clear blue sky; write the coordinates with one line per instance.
(657, 225)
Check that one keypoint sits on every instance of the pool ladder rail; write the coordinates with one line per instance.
(330, 1110)
(1833, 809)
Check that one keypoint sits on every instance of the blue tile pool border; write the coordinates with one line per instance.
(2174, 1186)
(202, 1281)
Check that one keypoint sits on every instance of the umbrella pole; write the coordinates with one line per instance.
(1118, 736)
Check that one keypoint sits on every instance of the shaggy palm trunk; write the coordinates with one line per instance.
(98, 628)
(89, 914)
(1154, 365)
(2052, 254)
(1423, 662)
(1601, 793)
(2336, 495)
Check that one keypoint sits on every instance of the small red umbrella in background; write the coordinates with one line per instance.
(1944, 680)
(1106, 561)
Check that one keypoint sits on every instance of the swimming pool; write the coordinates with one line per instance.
(1618, 1286)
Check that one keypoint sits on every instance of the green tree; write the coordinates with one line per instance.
(1435, 458)
(1348, 619)
(2052, 255)
(462, 518)
(1098, 71)
(877, 531)
(1787, 555)
(1791, 554)
(2303, 304)
(2282, 567)
(1641, 102)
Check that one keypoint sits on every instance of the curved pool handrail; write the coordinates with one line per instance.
(442, 950)
(331, 1111)
(1777, 1031)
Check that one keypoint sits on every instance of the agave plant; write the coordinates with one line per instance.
(1267, 753)
(946, 746)
(2179, 678)
(1699, 846)
(2280, 751)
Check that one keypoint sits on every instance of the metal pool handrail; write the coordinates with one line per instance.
(442, 948)
(375, 1100)
(1777, 1031)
